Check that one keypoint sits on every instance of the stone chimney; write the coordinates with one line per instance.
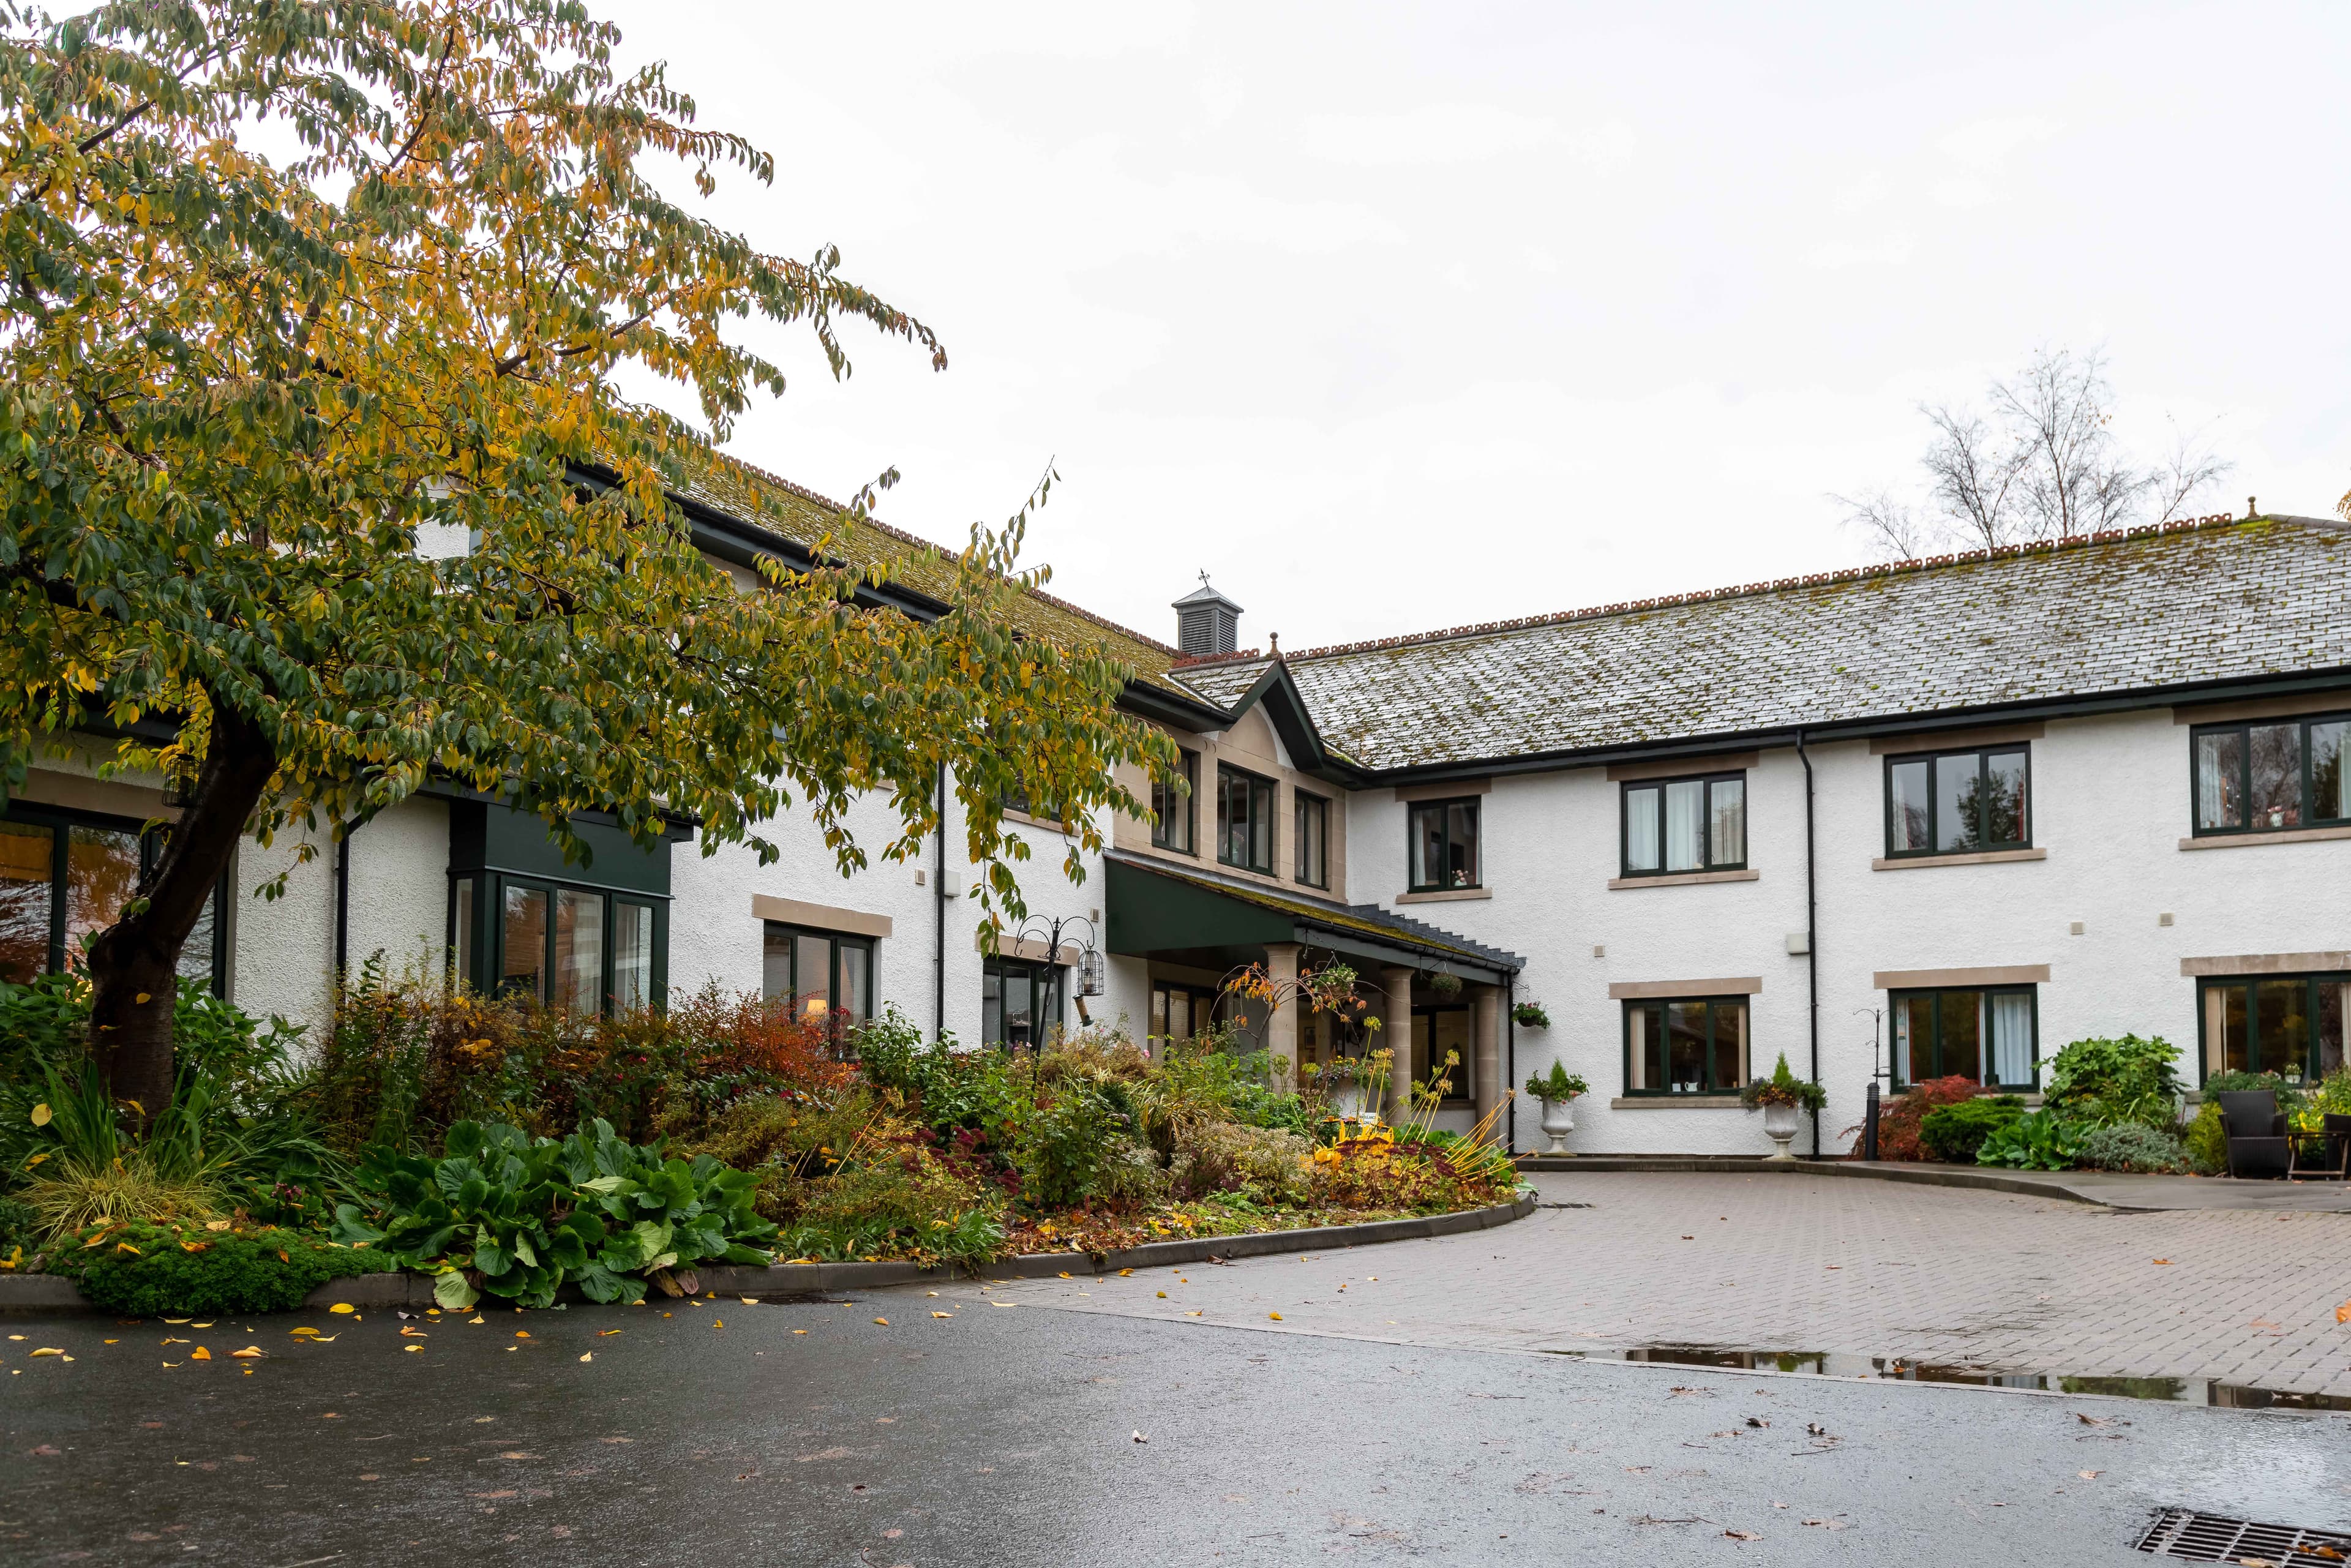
(1206, 622)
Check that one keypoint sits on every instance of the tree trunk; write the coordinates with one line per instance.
(134, 963)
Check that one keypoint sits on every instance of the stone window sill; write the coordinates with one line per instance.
(1445, 895)
(2241, 840)
(1986, 857)
(1682, 879)
(1025, 819)
(1675, 1103)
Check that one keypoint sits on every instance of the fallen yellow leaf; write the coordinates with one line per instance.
(2089, 1475)
(799, 1330)
(883, 1322)
(934, 1314)
(417, 1348)
(1126, 1273)
(750, 1301)
(1065, 1273)
(250, 1353)
(48, 1350)
(216, 1224)
(606, 1334)
(342, 1307)
(41, 1114)
(200, 1353)
(522, 1334)
(590, 1356)
(1275, 1316)
(2163, 1262)
(205, 1324)
(2343, 1313)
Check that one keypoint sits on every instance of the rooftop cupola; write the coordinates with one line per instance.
(1206, 622)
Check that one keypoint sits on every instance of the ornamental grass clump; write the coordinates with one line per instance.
(2131, 1147)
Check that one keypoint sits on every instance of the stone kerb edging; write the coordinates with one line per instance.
(51, 1292)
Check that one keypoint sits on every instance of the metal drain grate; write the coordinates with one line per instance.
(2212, 1538)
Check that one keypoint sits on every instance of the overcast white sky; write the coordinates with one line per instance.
(1394, 317)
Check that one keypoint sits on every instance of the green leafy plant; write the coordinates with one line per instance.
(151, 1268)
(2043, 1141)
(2131, 1147)
(1531, 1015)
(1782, 1088)
(2126, 1079)
(519, 1217)
(1954, 1132)
(1558, 1085)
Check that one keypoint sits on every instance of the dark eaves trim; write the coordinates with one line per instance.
(1919, 723)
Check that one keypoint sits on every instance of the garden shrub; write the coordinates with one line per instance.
(2131, 1147)
(2044, 1141)
(1266, 1165)
(20, 1230)
(1899, 1122)
(2108, 1082)
(154, 1269)
(2205, 1142)
(1954, 1132)
(912, 1203)
(1058, 1149)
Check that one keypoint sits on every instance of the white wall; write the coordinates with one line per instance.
(2110, 805)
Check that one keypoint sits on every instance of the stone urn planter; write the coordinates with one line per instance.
(1783, 1098)
(1780, 1125)
(1558, 1122)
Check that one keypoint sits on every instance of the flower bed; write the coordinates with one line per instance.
(512, 1151)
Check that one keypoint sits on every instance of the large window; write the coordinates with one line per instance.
(1695, 1045)
(1174, 805)
(1685, 825)
(1435, 1031)
(826, 974)
(1444, 844)
(1987, 1036)
(2290, 1025)
(1244, 819)
(1179, 1011)
(2261, 777)
(1311, 833)
(584, 949)
(66, 875)
(1957, 802)
(1020, 1002)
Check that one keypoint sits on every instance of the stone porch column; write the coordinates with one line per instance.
(1396, 1034)
(1281, 1022)
(1486, 1047)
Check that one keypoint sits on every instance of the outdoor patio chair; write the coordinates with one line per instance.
(2258, 1145)
(2325, 1157)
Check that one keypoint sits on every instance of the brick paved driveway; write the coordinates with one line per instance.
(1853, 1268)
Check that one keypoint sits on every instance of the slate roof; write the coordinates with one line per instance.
(754, 495)
(2182, 604)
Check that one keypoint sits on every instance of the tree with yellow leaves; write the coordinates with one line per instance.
(245, 395)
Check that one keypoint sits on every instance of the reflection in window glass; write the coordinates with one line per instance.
(632, 955)
(1310, 834)
(812, 975)
(27, 852)
(1728, 835)
(2220, 780)
(2004, 806)
(1435, 1032)
(1984, 1036)
(2277, 785)
(853, 993)
(2329, 800)
(1959, 804)
(1908, 824)
(1686, 1046)
(523, 940)
(102, 874)
(1685, 823)
(1641, 807)
(579, 950)
(461, 939)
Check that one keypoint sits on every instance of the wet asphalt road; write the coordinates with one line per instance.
(1005, 1436)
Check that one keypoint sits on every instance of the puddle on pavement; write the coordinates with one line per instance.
(1833, 1364)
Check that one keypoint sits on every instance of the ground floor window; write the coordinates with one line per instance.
(824, 973)
(2290, 1025)
(584, 949)
(1435, 1031)
(66, 875)
(1179, 1011)
(1695, 1045)
(1019, 1001)
(1988, 1035)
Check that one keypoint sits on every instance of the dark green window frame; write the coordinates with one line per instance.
(2292, 1025)
(1041, 986)
(206, 955)
(633, 944)
(783, 971)
(1724, 1050)
(1716, 852)
(1311, 837)
(2222, 781)
(1981, 833)
(1244, 819)
(1176, 813)
(1457, 825)
(1199, 1008)
(1943, 1055)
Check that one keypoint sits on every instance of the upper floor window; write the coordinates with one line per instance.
(1695, 1045)
(2260, 777)
(1986, 1035)
(1310, 834)
(1173, 805)
(1957, 803)
(1244, 819)
(1685, 825)
(1444, 844)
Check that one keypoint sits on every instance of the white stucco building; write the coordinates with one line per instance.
(1907, 821)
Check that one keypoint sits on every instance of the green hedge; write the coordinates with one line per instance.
(147, 1270)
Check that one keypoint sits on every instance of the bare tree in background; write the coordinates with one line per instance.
(2044, 464)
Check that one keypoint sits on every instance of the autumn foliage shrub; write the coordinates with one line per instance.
(1898, 1130)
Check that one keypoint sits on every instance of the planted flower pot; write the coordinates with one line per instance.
(1558, 1122)
(1780, 1125)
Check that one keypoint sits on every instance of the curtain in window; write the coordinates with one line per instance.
(1641, 829)
(1729, 823)
(2218, 759)
(1685, 820)
(2012, 1038)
